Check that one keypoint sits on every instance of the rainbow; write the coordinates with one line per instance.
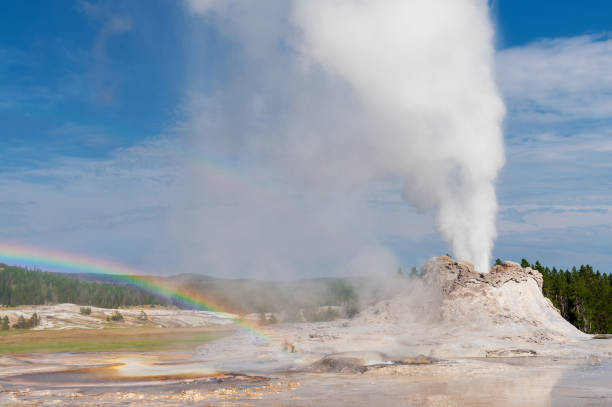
(115, 272)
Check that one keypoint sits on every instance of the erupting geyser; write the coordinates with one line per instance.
(426, 69)
(379, 88)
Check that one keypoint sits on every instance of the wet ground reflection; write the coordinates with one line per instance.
(588, 384)
(465, 382)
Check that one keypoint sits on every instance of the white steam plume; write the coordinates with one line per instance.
(342, 92)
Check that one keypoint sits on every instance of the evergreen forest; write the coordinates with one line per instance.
(582, 295)
(20, 286)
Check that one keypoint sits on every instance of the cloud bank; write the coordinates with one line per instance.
(558, 80)
(556, 187)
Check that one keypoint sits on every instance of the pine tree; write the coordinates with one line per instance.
(582, 295)
(34, 321)
(21, 323)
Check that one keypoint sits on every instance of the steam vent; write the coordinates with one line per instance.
(453, 311)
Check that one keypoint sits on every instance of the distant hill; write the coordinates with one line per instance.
(21, 286)
(583, 296)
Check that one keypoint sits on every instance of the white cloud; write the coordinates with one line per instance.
(202, 6)
(559, 79)
(559, 129)
(551, 146)
(538, 218)
(111, 24)
(101, 207)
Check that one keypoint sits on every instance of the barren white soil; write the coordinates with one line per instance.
(68, 316)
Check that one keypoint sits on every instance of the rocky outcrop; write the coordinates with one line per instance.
(339, 364)
(450, 275)
(361, 362)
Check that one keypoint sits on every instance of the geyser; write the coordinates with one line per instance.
(345, 92)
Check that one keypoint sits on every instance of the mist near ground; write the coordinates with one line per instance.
(308, 300)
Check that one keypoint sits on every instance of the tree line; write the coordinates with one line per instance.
(582, 295)
(297, 299)
(20, 286)
(22, 322)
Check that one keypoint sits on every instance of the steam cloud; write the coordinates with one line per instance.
(345, 92)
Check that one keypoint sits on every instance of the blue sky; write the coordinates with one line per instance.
(523, 21)
(98, 102)
(71, 68)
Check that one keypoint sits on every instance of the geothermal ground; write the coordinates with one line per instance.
(455, 337)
